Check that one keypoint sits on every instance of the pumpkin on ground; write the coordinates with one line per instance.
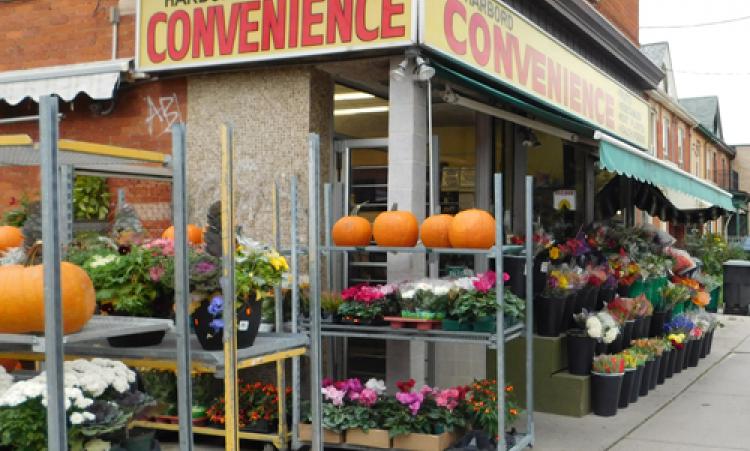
(10, 237)
(396, 229)
(435, 231)
(473, 229)
(22, 298)
(352, 230)
(194, 233)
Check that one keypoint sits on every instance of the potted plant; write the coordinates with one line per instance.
(638, 378)
(678, 330)
(162, 386)
(595, 328)
(365, 304)
(478, 305)
(629, 357)
(362, 413)
(481, 404)
(549, 307)
(257, 406)
(329, 304)
(607, 372)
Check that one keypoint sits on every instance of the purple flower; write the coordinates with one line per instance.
(354, 385)
(412, 400)
(216, 306)
(205, 267)
(216, 325)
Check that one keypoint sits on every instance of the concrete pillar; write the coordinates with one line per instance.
(407, 182)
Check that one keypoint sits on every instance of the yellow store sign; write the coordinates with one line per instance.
(497, 41)
(175, 34)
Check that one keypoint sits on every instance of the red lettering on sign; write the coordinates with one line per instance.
(387, 30)
(308, 20)
(588, 98)
(248, 26)
(600, 107)
(363, 32)
(203, 34)
(274, 24)
(554, 83)
(453, 8)
(153, 55)
(505, 48)
(293, 23)
(537, 70)
(227, 35)
(339, 20)
(477, 24)
(175, 52)
(575, 92)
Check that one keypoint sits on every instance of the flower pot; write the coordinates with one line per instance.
(605, 393)
(647, 370)
(580, 352)
(657, 324)
(695, 353)
(374, 438)
(605, 296)
(144, 441)
(637, 326)
(679, 360)
(617, 345)
(704, 346)
(566, 322)
(637, 381)
(647, 327)
(330, 437)
(137, 340)
(248, 322)
(455, 325)
(671, 363)
(259, 426)
(424, 442)
(689, 345)
(654, 373)
(710, 341)
(627, 333)
(627, 387)
(485, 324)
(548, 315)
(600, 348)
(663, 364)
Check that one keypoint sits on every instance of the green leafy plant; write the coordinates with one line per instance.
(91, 198)
(17, 216)
(481, 405)
(162, 386)
(330, 302)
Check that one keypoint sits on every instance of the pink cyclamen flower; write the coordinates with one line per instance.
(411, 400)
(448, 399)
(485, 282)
(327, 382)
(354, 385)
(368, 397)
(156, 273)
(335, 396)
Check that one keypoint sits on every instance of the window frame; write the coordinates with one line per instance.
(665, 124)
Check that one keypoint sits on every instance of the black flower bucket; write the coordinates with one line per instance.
(647, 370)
(580, 352)
(627, 333)
(211, 339)
(704, 345)
(671, 363)
(605, 393)
(689, 345)
(548, 314)
(637, 381)
(627, 387)
(678, 362)
(695, 353)
(654, 373)
(567, 321)
(666, 359)
(605, 296)
(646, 332)
(657, 324)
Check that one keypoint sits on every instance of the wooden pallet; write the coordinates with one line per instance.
(398, 322)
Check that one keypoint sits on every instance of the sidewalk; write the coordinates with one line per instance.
(703, 408)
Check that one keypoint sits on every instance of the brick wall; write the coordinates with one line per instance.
(623, 14)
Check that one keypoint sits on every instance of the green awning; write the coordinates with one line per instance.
(626, 160)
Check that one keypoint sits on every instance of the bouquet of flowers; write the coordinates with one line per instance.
(621, 309)
(653, 265)
(678, 329)
(625, 270)
(674, 294)
(642, 307)
(608, 364)
(598, 325)
(561, 281)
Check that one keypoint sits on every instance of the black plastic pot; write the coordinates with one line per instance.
(600, 348)
(623, 291)
(663, 364)
(637, 328)
(605, 296)
(248, 322)
(637, 380)
(647, 370)
(566, 322)
(137, 340)
(695, 353)
(580, 352)
(710, 341)
(671, 363)
(627, 333)
(680, 359)
(654, 373)
(548, 314)
(689, 345)
(704, 346)
(627, 387)
(646, 327)
(657, 324)
(605, 393)
(617, 345)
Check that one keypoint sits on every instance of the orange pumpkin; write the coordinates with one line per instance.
(10, 237)
(435, 231)
(352, 230)
(473, 229)
(195, 234)
(396, 229)
(22, 298)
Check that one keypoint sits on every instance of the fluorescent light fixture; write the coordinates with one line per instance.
(352, 96)
(353, 111)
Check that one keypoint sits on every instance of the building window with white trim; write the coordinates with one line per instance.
(709, 173)
(654, 132)
(680, 149)
(696, 158)
(665, 138)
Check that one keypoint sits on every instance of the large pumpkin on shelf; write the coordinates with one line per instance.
(435, 231)
(395, 228)
(194, 234)
(352, 230)
(473, 229)
(10, 237)
(22, 298)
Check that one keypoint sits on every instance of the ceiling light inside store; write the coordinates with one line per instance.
(352, 96)
(365, 110)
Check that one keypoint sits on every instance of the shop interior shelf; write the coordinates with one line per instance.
(203, 430)
(405, 334)
(507, 250)
(98, 328)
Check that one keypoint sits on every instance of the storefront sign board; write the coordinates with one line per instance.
(497, 41)
(178, 34)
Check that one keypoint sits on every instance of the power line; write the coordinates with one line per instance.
(696, 25)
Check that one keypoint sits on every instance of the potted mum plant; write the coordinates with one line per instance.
(481, 405)
(607, 372)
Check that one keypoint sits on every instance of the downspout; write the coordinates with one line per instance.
(114, 19)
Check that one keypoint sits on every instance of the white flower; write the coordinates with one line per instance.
(102, 260)
(610, 335)
(465, 283)
(376, 385)
(88, 416)
(408, 294)
(441, 290)
(593, 327)
(76, 418)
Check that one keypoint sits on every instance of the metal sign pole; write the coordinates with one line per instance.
(232, 440)
(295, 315)
(529, 307)
(182, 288)
(314, 267)
(57, 436)
(500, 318)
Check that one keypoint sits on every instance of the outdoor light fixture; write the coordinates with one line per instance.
(529, 138)
(423, 71)
(399, 73)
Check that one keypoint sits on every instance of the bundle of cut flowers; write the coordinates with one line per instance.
(608, 364)
(599, 325)
(621, 309)
(100, 400)
(350, 404)
(678, 330)
(596, 276)
(652, 347)
(365, 302)
(256, 402)
(630, 358)
(562, 280)
(625, 270)
(481, 402)
(674, 294)
(642, 307)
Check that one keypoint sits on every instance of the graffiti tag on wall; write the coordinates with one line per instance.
(162, 114)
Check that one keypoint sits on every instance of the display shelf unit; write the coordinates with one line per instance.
(497, 340)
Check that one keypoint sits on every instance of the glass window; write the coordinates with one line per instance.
(665, 138)
(680, 145)
(654, 128)
(709, 173)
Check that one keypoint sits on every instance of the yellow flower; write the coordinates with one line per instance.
(563, 281)
(554, 253)
(278, 262)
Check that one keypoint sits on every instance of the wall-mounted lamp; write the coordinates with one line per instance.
(422, 69)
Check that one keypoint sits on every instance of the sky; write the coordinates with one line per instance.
(707, 60)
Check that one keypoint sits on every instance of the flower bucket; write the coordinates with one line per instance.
(566, 322)
(710, 341)
(647, 370)
(672, 363)
(600, 348)
(680, 359)
(646, 327)
(582, 302)
(627, 333)
(637, 381)
(704, 345)
(695, 353)
(248, 322)
(627, 387)
(330, 437)
(605, 393)
(580, 352)
(548, 314)
(654, 373)
(617, 345)
(713, 305)
(424, 442)
(657, 324)
(374, 438)
(636, 289)
(666, 358)
(605, 296)
(454, 325)
(689, 345)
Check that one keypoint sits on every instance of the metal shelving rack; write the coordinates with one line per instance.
(180, 351)
(496, 340)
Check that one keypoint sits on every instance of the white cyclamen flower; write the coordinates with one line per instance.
(441, 290)
(408, 294)
(88, 416)
(465, 283)
(76, 418)
(376, 385)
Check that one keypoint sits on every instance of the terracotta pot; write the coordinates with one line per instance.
(374, 438)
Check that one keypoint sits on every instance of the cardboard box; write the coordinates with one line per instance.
(424, 442)
(374, 438)
(330, 437)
